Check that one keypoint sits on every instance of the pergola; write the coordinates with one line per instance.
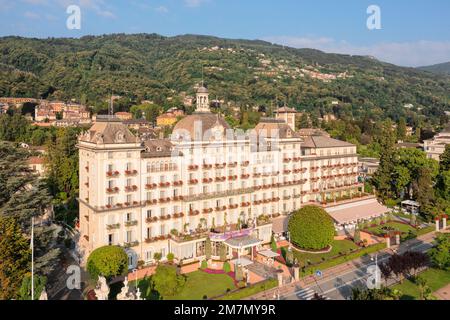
(269, 255)
(410, 206)
(242, 243)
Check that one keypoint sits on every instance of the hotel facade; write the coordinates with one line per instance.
(206, 181)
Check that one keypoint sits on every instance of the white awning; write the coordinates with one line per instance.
(243, 242)
(360, 210)
(411, 203)
(242, 261)
(269, 254)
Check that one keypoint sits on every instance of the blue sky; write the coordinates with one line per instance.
(414, 32)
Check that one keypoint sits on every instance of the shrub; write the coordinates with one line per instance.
(226, 267)
(311, 228)
(167, 282)
(204, 265)
(170, 257)
(108, 261)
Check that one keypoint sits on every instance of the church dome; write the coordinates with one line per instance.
(202, 89)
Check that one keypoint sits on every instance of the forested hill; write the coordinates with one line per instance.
(441, 68)
(153, 67)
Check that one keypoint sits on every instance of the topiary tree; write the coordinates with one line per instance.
(273, 244)
(311, 228)
(222, 252)
(226, 267)
(357, 236)
(108, 261)
(204, 265)
(208, 248)
(170, 257)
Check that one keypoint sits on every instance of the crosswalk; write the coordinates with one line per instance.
(308, 294)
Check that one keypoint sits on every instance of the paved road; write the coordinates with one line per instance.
(337, 282)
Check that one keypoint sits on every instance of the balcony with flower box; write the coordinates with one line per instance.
(164, 200)
(129, 173)
(151, 219)
(131, 188)
(193, 167)
(287, 171)
(245, 204)
(256, 175)
(286, 160)
(131, 244)
(193, 181)
(245, 163)
(232, 178)
(151, 186)
(286, 197)
(232, 165)
(114, 226)
(207, 166)
(164, 184)
(245, 176)
(178, 215)
(177, 198)
(131, 223)
(178, 183)
(233, 206)
(209, 210)
(193, 213)
(165, 217)
(207, 180)
(220, 179)
(112, 174)
(112, 190)
(276, 199)
(151, 202)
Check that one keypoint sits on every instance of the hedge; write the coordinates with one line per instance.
(250, 290)
(342, 259)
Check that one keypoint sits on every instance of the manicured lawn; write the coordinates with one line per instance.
(436, 279)
(404, 228)
(339, 247)
(198, 284)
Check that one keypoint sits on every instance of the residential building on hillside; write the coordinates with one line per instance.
(436, 146)
(206, 181)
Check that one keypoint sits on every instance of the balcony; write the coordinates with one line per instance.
(232, 178)
(220, 166)
(112, 174)
(164, 184)
(193, 181)
(245, 176)
(221, 179)
(207, 180)
(151, 202)
(178, 215)
(232, 165)
(165, 217)
(158, 238)
(151, 219)
(113, 226)
(194, 213)
(207, 166)
(131, 172)
(245, 204)
(131, 188)
(131, 244)
(245, 163)
(164, 200)
(192, 167)
(112, 190)
(177, 198)
(131, 223)
(178, 183)
(151, 186)
(209, 210)
(233, 206)
(223, 208)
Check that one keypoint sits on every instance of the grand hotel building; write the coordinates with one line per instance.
(206, 181)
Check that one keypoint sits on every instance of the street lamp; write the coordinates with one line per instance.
(289, 240)
(376, 268)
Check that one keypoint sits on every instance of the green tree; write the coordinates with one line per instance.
(39, 286)
(15, 258)
(440, 253)
(167, 282)
(311, 227)
(401, 129)
(273, 244)
(107, 261)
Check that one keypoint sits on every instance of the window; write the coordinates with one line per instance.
(129, 217)
(110, 239)
(163, 230)
(149, 214)
(128, 166)
(128, 182)
(110, 184)
(129, 198)
(149, 255)
(110, 167)
(110, 201)
(149, 196)
(149, 233)
(129, 236)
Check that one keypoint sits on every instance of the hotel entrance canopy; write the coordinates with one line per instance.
(243, 242)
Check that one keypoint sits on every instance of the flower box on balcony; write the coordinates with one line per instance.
(130, 172)
(108, 206)
(151, 219)
(193, 181)
(131, 223)
(245, 163)
(113, 226)
(131, 244)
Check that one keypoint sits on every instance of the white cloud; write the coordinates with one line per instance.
(194, 3)
(31, 15)
(162, 9)
(418, 53)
